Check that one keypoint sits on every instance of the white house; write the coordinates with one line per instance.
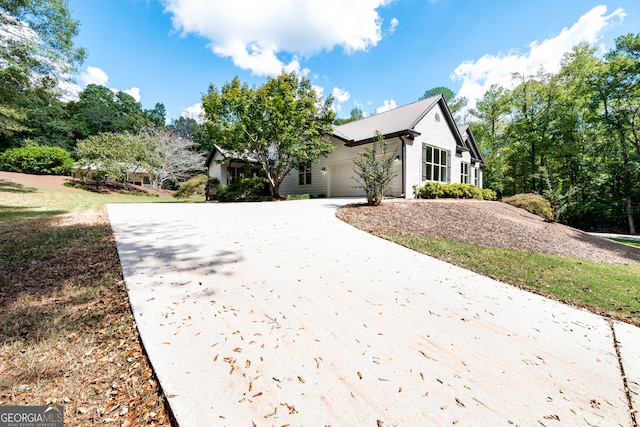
(426, 142)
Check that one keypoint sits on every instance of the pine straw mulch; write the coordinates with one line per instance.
(486, 223)
(67, 335)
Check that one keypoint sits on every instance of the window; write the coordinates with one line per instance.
(464, 173)
(233, 173)
(476, 177)
(437, 118)
(435, 163)
(304, 176)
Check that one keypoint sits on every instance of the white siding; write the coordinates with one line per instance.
(436, 134)
(318, 186)
(216, 169)
(337, 181)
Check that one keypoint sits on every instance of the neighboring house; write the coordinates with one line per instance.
(140, 178)
(425, 141)
(227, 166)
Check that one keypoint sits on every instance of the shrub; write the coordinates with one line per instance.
(489, 194)
(211, 189)
(298, 197)
(194, 187)
(436, 190)
(252, 189)
(534, 203)
(137, 193)
(374, 168)
(39, 160)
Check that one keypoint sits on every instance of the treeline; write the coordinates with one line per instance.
(573, 136)
(46, 120)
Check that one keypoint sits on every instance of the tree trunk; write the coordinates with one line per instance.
(629, 206)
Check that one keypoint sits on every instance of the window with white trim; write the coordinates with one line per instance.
(435, 164)
(464, 173)
(476, 176)
(304, 176)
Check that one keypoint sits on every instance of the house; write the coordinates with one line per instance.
(227, 166)
(426, 143)
(87, 172)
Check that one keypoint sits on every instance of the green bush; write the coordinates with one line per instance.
(195, 187)
(252, 189)
(534, 203)
(489, 194)
(39, 160)
(436, 190)
(298, 197)
(137, 193)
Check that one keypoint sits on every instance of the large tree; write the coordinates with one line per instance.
(36, 49)
(456, 104)
(281, 124)
(105, 110)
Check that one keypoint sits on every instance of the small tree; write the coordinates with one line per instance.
(558, 199)
(374, 170)
(175, 158)
(117, 155)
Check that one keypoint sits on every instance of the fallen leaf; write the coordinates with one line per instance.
(275, 410)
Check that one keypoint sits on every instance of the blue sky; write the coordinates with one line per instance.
(371, 54)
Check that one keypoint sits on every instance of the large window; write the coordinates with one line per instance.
(304, 176)
(435, 164)
(464, 173)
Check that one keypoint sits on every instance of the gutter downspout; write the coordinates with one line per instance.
(403, 139)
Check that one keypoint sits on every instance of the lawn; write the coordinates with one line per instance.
(20, 202)
(634, 243)
(67, 335)
(610, 289)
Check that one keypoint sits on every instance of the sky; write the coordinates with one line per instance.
(369, 54)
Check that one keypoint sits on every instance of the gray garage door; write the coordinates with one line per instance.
(341, 181)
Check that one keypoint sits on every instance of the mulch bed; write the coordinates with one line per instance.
(486, 223)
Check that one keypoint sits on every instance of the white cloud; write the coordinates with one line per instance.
(477, 76)
(340, 95)
(195, 112)
(389, 104)
(94, 75)
(258, 35)
(135, 92)
(394, 25)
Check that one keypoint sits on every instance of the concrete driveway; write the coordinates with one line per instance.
(280, 314)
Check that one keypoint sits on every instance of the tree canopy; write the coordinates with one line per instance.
(573, 134)
(36, 50)
(455, 104)
(280, 124)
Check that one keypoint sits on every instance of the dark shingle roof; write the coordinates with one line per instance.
(390, 123)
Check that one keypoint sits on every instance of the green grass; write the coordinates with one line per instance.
(610, 289)
(634, 243)
(19, 202)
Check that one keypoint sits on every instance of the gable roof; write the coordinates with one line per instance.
(230, 155)
(470, 143)
(400, 121)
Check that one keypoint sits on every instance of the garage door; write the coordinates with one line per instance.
(341, 183)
